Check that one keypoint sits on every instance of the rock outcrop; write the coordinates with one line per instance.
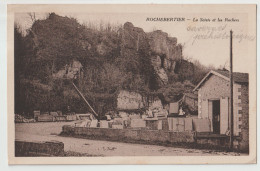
(163, 50)
(129, 100)
(133, 39)
(101, 62)
(165, 53)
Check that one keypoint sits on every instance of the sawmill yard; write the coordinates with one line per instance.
(49, 131)
(121, 91)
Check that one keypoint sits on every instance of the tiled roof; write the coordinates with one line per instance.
(237, 76)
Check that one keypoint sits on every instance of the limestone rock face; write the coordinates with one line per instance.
(166, 47)
(162, 49)
(133, 38)
(158, 41)
(129, 100)
(166, 53)
(162, 75)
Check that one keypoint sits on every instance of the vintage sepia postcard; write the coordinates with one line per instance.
(131, 84)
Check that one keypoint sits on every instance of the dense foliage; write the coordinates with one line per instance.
(107, 67)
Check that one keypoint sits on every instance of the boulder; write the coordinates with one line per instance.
(129, 100)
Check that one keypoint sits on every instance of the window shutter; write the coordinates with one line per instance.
(204, 109)
(224, 112)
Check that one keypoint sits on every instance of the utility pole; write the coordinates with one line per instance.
(231, 91)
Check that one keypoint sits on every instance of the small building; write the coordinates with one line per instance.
(214, 103)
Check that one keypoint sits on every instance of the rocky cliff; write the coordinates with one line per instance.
(132, 43)
(163, 50)
(59, 50)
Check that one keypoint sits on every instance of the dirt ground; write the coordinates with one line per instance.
(49, 131)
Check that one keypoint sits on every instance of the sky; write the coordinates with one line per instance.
(205, 37)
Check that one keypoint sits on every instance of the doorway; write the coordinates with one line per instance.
(216, 116)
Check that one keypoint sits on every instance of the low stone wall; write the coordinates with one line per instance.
(27, 149)
(221, 142)
(132, 135)
(189, 139)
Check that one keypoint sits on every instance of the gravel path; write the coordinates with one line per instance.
(49, 132)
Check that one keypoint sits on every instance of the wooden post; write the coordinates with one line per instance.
(82, 96)
(231, 91)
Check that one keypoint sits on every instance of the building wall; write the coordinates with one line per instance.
(218, 88)
(214, 88)
(236, 109)
(244, 118)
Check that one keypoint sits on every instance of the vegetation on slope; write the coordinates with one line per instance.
(109, 62)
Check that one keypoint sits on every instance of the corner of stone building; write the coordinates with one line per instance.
(244, 118)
